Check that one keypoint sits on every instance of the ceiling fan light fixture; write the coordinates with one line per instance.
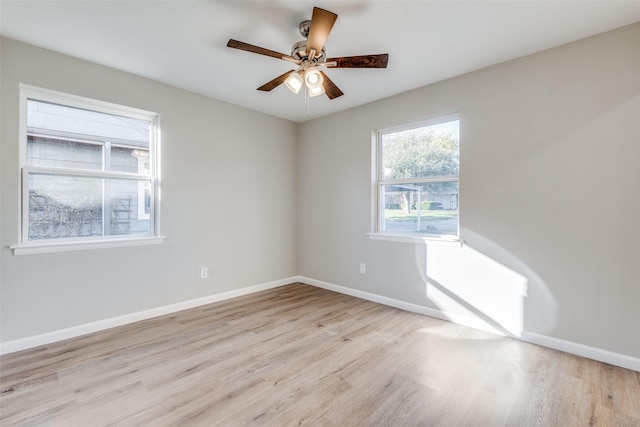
(294, 82)
(313, 79)
(316, 91)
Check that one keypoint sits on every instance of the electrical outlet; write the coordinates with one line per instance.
(363, 268)
(204, 272)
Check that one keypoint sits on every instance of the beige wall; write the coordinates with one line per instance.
(549, 197)
(228, 176)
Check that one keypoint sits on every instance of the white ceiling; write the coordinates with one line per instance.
(183, 43)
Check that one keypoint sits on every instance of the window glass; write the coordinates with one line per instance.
(424, 208)
(424, 151)
(123, 159)
(50, 152)
(62, 206)
(56, 119)
(418, 179)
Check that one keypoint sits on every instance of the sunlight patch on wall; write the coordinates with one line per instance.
(471, 288)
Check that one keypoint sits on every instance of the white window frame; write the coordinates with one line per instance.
(26, 246)
(142, 187)
(378, 182)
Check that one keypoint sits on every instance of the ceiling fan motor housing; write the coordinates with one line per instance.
(299, 51)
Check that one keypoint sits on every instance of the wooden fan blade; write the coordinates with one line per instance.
(269, 86)
(321, 23)
(235, 44)
(361, 61)
(330, 87)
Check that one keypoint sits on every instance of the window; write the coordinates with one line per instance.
(89, 171)
(417, 180)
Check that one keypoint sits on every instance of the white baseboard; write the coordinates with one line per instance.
(415, 308)
(606, 356)
(594, 353)
(100, 325)
(457, 318)
(578, 349)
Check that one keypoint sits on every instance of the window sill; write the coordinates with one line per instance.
(51, 247)
(420, 239)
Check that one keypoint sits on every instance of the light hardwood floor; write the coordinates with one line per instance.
(299, 355)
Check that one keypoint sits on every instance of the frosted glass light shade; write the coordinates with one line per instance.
(316, 91)
(313, 78)
(294, 82)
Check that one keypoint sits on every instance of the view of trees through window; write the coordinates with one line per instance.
(418, 182)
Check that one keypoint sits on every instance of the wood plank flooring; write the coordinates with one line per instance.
(299, 355)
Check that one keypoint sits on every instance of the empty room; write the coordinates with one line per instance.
(329, 213)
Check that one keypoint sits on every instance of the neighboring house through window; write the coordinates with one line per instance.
(418, 171)
(89, 170)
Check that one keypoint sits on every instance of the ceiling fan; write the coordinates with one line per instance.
(309, 55)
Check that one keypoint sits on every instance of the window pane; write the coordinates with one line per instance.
(421, 208)
(122, 199)
(50, 152)
(70, 207)
(425, 151)
(63, 207)
(60, 120)
(125, 160)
